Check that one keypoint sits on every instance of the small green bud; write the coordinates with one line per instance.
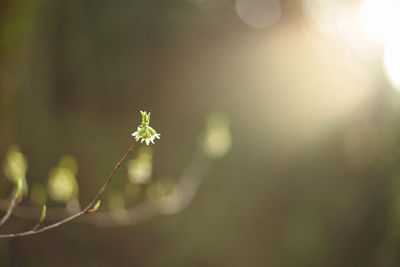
(95, 207)
(145, 118)
(43, 214)
(18, 189)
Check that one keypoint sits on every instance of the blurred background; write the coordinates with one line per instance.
(299, 100)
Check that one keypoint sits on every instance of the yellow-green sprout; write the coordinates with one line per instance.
(144, 132)
(43, 214)
(140, 168)
(95, 207)
(18, 189)
(217, 140)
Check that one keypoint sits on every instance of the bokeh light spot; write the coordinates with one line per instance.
(141, 168)
(38, 194)
(161, 188)
(259, 13)
(62, 185)
(217, 141)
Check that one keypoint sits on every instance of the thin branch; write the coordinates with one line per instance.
(15, 197)
(183, 195)
(82, 212)
(41, 219)
(186, 189)
(29, 212)
(10, 209)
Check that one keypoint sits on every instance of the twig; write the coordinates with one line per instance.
(10, 209)
(82, 212)
(187, 187)
(183, 195)
(41, 218)
(15, 197)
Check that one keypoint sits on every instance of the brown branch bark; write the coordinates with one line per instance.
(187, 188)
(82, 212)
(10, 209)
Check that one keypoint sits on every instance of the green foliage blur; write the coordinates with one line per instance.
(312, 175)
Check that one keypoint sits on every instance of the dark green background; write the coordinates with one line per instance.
(74, 74)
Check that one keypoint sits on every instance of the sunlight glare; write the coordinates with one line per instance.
(324, 14)
(391, 60)
(378, 18)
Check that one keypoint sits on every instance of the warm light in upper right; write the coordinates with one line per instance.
(368, 27)
(380, 20)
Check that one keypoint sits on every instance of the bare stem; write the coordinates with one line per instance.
(82, 212)
(187, 187)
(10, 209)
